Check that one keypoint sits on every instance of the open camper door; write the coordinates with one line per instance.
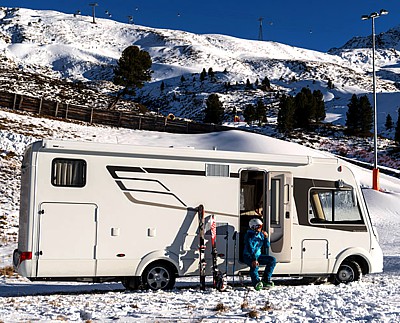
(279, 200)
(67, 240)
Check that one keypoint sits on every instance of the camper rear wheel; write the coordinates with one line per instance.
(159, 275)
(349, 271)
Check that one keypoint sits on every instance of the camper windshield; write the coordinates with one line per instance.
(334, 206)
(364, 201)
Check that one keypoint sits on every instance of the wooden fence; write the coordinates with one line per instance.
(115, 118)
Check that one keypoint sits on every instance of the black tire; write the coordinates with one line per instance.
(349, 271)
(131, 283)
(158, 275)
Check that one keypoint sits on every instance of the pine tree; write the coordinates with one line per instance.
(389, 122)
(366, 116)
(203, 75)
(248, 84)
(260, 111)
(302, 115)
(249, 113)
(214, 110)
(162, 86)
(359, 117)
(183, 79)
(286, 114)
(266, 84)
(132, 70)
(397, 132)
(311, 105)
(211, 73)
(353, 116)
(320, 113)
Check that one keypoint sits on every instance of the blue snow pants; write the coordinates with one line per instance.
(268, 261)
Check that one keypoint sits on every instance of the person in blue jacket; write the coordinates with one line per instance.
(254, 240)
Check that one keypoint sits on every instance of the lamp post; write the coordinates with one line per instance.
(375, 171)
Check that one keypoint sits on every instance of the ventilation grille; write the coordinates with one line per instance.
(217, 170)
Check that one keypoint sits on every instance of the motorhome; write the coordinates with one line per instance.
(111, 212)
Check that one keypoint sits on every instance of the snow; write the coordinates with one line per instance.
(373, 299)
(63, 46)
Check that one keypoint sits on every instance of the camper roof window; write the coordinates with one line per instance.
(68, 172)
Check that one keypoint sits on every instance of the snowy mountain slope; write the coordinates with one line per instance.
(387, 44)
(73, 48)
(386, 40)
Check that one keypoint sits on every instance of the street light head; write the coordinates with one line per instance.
(383, 12)
(364, 17)
(374, 15)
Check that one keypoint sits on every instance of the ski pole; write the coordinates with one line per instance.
(226, 249)
(234, 257)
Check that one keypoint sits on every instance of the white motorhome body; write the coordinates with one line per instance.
(101, 212)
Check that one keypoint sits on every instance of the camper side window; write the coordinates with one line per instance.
(334, 206)
(68, 172)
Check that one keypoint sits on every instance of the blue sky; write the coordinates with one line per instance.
(312, 24)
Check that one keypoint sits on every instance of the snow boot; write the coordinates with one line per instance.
(268, 284)
(259, 286)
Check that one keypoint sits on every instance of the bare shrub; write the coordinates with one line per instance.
(245, 305)
(220, 307)
(254, 314)
(7, 271)
(267, 307)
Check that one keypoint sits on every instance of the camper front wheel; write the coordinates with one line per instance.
(158, 275)
(349, 271)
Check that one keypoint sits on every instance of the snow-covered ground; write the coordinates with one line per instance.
(374, 299)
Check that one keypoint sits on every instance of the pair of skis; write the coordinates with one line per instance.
(219, 279)
(202, 247)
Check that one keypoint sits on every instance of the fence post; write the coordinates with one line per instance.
(66, 111)
(140, 122)
(15, 101)
(91, 116)
(20, 102)
(40, 105)
(56, 109)
(120, 118)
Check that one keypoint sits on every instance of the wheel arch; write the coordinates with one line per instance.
(158, 256)
(358, 255)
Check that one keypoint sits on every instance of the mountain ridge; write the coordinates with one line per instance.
(72, 48)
